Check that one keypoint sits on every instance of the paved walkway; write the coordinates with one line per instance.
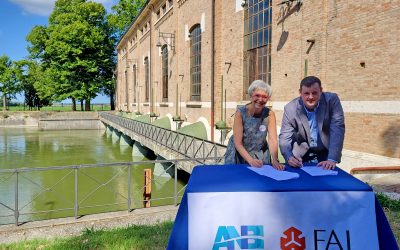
(390, 183)
(66, 227)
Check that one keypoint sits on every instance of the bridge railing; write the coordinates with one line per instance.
(185, 145)
(29, 194)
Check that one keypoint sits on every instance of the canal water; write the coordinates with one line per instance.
(51, 194)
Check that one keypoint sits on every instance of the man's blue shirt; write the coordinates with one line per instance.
(312, 121)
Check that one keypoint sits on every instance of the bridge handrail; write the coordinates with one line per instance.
(174, 139)
(16, 175)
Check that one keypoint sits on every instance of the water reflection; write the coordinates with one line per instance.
(29, 148)
(51, 194)
(11, 146)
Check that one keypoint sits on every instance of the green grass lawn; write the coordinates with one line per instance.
(133, 237)
(154, 237)
(392, 211)
(64, 107)
(394, 220)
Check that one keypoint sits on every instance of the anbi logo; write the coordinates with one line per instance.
(293, 241)
(250, 237)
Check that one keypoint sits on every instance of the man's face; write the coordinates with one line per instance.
(311, 95)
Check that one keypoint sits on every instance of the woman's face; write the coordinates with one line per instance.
(259, 98)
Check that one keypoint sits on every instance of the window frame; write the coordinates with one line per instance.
(147, 78)
(164, 72)
(134, 82)
(195, 63)
(126, 88)
(257, 42)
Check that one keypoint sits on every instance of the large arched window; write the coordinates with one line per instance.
(134, 83)
(126, 89)
(164, 52)
(147, 78)
(257, 41)
(195, 63)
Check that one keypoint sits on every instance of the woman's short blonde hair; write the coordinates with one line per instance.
(259, 84)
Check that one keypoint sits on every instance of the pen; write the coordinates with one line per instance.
(299, 160)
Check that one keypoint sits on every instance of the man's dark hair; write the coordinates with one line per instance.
(310, 80)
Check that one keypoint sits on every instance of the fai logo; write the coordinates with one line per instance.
(250, 237)
(292, 241)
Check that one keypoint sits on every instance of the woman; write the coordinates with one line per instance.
(253, 122)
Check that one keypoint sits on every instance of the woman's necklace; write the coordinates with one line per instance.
(252, 112)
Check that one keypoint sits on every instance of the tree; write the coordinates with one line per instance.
(30, 77)
(109, 90)
(8, 81)
(122, 16)
(124, 12)
(76, 50)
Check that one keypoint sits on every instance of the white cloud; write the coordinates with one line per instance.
(45, 7)
(36, 7)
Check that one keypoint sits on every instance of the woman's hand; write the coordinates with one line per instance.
(275, 163)
(295, 162)
(256, 163)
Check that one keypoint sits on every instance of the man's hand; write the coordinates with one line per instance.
(329, 165)
(256, 163)
(295, 162)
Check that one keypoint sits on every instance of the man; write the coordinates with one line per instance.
(312, 127)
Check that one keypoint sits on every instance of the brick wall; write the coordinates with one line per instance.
(355, 52)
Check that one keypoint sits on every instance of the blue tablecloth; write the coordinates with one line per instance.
(237, 178)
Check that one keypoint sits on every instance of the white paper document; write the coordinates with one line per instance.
(318, 171)
(271, 172)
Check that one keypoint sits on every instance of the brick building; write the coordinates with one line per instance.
(195, 60)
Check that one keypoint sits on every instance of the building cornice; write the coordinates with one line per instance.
(181, 2)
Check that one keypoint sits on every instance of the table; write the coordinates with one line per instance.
(227, 182)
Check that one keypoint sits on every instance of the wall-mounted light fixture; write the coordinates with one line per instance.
(244, 3)
(289, 2)
(164, 36)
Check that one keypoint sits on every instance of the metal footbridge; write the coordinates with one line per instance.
(166, 143)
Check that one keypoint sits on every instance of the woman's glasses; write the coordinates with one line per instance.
(260, 96)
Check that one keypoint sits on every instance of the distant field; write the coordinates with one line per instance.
(61, 107)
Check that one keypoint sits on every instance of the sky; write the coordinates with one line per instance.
(18, 17)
